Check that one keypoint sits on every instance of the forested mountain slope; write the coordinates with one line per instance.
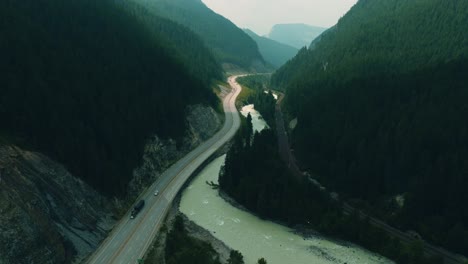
(381, 103)
(228, 42)
(87, 82)
(387, 36)
(272, 51)
(180, 42)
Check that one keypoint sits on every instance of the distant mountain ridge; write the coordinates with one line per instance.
(272, 51)
(296, 35)
(228, 42)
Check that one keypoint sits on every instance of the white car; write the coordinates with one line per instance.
(156, 193)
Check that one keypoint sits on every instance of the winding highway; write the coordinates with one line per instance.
(131, 238)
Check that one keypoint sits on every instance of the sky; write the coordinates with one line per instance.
(261, 15)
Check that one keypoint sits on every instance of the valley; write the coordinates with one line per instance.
(221, 132)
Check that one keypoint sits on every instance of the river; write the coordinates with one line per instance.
(254, 237)
(258, 123)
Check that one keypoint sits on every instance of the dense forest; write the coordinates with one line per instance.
(257, 82)
(381, 103)
(229, 43)
(407, 137)
(182, 43)
(382, 37)
(255, 176)
(87, 82)
(272, 51)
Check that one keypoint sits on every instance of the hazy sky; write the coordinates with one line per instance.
(261, 15)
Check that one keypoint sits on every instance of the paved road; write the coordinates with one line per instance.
(130, 238)
(288, 157)
(283, 142)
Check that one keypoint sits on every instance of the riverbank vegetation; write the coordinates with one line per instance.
(235, 257)
(179, 247)
(256, 178)
(257, 82)
(260, 95)
(184, 249)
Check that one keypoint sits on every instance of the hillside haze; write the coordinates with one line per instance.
(228, 42)
(296, 35)
(272, 51)
(88, 84)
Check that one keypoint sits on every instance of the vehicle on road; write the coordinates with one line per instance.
(414, 234)
(131, 239)
(137, 208)
(156, 193)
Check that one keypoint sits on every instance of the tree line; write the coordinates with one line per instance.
(261, 96)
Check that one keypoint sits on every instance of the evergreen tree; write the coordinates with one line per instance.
(380, 100)
(89, 82)
(235, 257)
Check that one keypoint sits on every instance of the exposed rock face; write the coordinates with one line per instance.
(203, 122)
(49, 216)
(46, 214)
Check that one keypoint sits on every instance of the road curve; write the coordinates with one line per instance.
(130, 238)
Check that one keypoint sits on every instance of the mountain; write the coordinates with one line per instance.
(296, 35)
(272, 51)
(183, 44)
(229, 43)
(87, 83)
(381, 106)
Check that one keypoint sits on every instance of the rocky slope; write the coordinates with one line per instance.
(46, 214)
(203, 122)
(49, 216)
